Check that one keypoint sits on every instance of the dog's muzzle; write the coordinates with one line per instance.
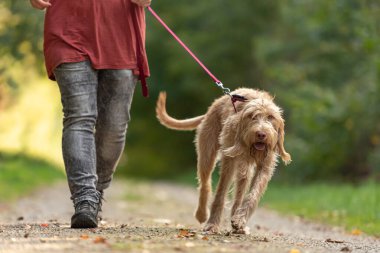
(259, 146)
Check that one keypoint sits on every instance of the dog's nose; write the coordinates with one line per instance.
(261, 135)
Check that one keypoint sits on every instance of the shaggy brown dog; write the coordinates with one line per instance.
(247, 143)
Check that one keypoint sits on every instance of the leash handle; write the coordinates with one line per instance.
(216, 80)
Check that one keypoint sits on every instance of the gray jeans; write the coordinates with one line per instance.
(96, 105)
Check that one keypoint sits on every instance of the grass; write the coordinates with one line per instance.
(353, 207)
(346, 205)
(21, 174)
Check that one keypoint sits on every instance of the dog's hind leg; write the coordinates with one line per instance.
(207, 149)
(207, 144)
(226, 174)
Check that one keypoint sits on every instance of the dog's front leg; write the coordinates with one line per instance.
(226, 173)
(243, 174)
(257, 188)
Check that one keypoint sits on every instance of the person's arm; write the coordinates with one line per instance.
(142, 3)
(40, 4)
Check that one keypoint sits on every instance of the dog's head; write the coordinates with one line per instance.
(260, 130)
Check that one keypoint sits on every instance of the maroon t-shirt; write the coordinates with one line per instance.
(101, 31)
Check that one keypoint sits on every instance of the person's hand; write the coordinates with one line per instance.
(40, 4)
(142, 3)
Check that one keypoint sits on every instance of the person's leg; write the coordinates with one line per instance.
(115, 92)
(78, 86)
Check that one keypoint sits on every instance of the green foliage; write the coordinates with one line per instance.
(354, 207)
(320, 59)
(20, 174)
(220, 33)
(21, 24)
(20, 46)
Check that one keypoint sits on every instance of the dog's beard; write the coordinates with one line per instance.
(259, 146)
(258, 149)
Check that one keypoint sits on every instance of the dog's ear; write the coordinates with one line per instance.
(285, 156)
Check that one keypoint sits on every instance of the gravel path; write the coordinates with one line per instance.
(158, 217)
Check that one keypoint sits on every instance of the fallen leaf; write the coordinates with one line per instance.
(333, 241)
(205, 238)
(356, 232)
(345, 249)
(294, 251)
(124, 225)
(185, 233)
(84, 237)
(44, 225)
(99, 239)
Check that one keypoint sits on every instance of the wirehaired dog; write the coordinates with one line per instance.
(247, 143)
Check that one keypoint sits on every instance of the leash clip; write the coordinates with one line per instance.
(234, 98)
(225, 90)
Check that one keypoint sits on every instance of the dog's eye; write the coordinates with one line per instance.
(255, 117)
(271, 117)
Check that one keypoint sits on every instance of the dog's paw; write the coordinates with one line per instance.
(201, 215)
(238, 222)
(210, 228)
(240, 231)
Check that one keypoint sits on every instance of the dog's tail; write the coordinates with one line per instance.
(172, 123)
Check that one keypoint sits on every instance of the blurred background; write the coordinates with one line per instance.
(321, 59)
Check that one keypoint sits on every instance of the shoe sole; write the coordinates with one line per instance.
(82, 220)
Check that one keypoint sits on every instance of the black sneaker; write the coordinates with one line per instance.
(86, 215)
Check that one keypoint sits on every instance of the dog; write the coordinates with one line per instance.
(247, 142)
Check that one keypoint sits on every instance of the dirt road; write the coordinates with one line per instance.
(158, 217)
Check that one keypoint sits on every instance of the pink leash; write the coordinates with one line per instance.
(234, 98)
(216, 80)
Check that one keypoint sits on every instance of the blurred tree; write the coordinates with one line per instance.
(323, 62)
(222, 34)
(21, 24)
(320, 58)
(20, 41)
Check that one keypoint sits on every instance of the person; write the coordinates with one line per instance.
(91, 49)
